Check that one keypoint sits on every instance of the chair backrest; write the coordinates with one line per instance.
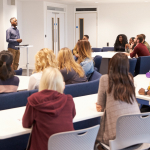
(74, 140)
(106, 49)
(18, 72)
(86, 88)
(96, 49)
(97, 62)
(132, 64)
(142, 65)
(13, 100)
(32, 92)
(131, 130)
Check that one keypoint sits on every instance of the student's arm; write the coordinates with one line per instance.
(133, 53)
(101, 101)
(32, 83)
(8, 37)
(86, 66)
(28, 119)
(73, 110)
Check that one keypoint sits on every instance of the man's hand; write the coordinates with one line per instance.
(19, 40)
(98, 107)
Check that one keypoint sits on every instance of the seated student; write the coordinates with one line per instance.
(140, 49)
(48, 111)
(116, 96)
(145, 43)
(85, 58)
(43, 59)
(75, 50)
(131, 45)
(71, 71)
(8, 82)
(120, 43)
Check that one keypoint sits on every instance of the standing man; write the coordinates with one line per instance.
(13, 39)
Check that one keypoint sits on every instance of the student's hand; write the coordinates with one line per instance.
(127, 54)
(132, 44)
(77, 55)
(19, 40)
(131, 50)
(127, 46)
(98, 107)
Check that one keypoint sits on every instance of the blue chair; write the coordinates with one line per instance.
(132, 64)
(18, 72)
(13, 100)
(106, 49)
(96, 49)
(142, 65)
(85, 88)
(97, 62)
(33, 91)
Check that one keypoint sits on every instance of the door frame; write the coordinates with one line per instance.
(83, 12)
(65, 17)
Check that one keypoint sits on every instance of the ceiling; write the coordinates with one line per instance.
(93, 1)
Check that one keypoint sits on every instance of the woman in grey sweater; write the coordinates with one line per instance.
(70, 70)
(116, 97)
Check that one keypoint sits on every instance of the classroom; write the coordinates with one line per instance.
(75, 75)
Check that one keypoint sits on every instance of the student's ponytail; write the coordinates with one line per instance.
(6, 60)
(4, 71)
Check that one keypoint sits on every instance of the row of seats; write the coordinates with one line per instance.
(104, 49)
(19, 99)
(136, 66)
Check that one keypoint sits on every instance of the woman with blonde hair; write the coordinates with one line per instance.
(71, 71)
(85, 58)
(43, 59)
(48, 111)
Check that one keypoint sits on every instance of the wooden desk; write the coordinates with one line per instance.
(11, 119)
(23, 83)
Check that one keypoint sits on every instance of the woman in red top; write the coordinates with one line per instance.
(49, 111)
(140, 49)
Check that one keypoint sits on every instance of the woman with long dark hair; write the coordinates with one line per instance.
(120, 43)
(8, 82)
(116, 96)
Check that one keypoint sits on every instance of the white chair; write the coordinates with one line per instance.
(132, 133)
(74, 140)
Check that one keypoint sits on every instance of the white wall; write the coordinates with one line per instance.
(33, 28)
(113, 19)
(129, 19)
(1, 26)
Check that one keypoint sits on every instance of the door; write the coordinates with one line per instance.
(55, 31)
(86, 24)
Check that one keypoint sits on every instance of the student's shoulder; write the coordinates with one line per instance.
(36, 75)
(104, 77)
(15, 80)
(69, 98)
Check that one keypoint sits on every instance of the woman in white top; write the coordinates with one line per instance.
(43, 59)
